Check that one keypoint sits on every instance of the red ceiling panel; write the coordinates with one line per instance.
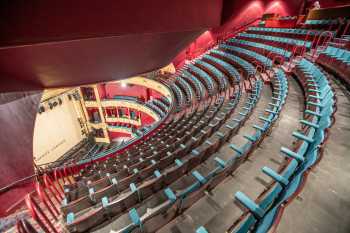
(69, 63)
(64, 43)
(25, 22)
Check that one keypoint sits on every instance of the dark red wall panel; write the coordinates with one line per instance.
(234, 15)
(16, 145)
(146, 119)
(64, 43)
(243, 11)
(113, 89)
(71, 63)
(25, 22)
(113, 135)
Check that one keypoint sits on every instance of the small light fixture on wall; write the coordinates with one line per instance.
(41, 109)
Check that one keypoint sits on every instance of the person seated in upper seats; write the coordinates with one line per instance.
(316, 5)
(309, 5)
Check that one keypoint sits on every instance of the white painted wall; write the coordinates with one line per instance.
(56, 131)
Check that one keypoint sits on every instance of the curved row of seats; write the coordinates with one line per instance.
(134, 213)
(110, 149)
(99, 150)
(266, 170)
(225, 76)
(124, 164)
(287, 32)
(169, 125)
(94, 150)
(137, 190)
(230, 70)
(179, 96)
(160, 106)
(163, 106)
(135, 181)
(146, 186)
(166, 101)
(78, 152)
(319, 109)
(92, 191)
(320, 23)
(133, 155)
(147, 223)
(186, 87)
(260, 47)
(208, 176)
(280, 90)
(221, 79)
(265, 61)
(164, 206)
(234, 60)
(261, 225)
(196, 84)
(282, 42)
(209, 83)
(204, 71)
(337, 60)
(156, 108)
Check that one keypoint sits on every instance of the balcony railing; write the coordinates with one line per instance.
(127, 120)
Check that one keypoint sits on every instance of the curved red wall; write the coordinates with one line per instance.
(109, 90)
(238, 13)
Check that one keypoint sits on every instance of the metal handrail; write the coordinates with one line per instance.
(328, 37)
(16, 183)
(39, 215)
(312, 33)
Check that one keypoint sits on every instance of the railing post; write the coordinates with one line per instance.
(20, 227)
(242, 78)
(328, 37)
(44, 216)
(58, 176)
(257, 66)
(47, 201)
(292, 57)
(53, 189)
(341, 22)
(67, 173)
(73, 169)
(268, 57)
(28, 227)
(346, 27)
(251, 78)
(34, 209)
(310, 32)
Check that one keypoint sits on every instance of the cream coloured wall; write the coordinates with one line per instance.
(56, 131)
(169, 69)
